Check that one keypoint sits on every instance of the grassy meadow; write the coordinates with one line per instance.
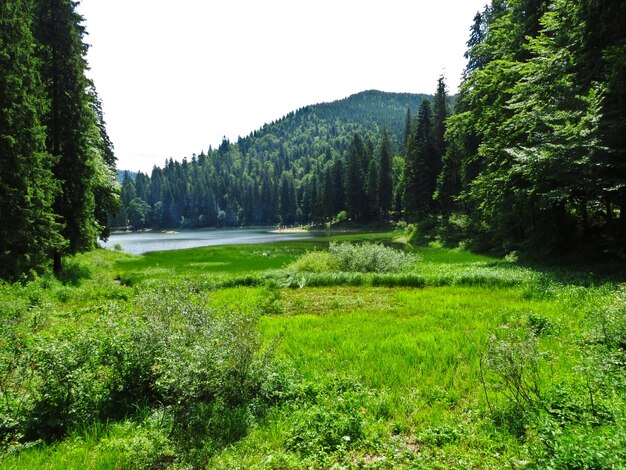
(239, 357)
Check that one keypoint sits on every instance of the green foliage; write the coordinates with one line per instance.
(578, 422)
(315, 262)
(177, 367)
(71, 129)
(334, 421)
(173, 349)
(420, 172)
(350, 258)
(52, 140)
(516, 360)
(301, 169)
(439, 436)
(30, 230)
(371, 258)
(531, 149)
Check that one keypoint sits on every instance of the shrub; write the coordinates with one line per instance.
(315, 262)
(371, 258)
(327, 427)
(346, 257)
(173, 348)
(515, 359)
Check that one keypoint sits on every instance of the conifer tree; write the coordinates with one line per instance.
(420, 173)
(373, 210)
(385, 176)
(408, 126)
(69, 120)
(29, 232)
(440, 115)
(356, 204)
(287, 198)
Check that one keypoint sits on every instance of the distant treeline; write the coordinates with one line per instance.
(304, 168)
(58, 183)
(532, 156)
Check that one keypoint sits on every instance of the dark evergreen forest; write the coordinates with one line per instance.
(304, 168)
(528, 156)
(58, 184)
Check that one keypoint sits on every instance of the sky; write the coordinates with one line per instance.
(177, 77)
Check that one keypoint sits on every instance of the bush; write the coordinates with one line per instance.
(331, 417)
(515, 360)
(349, 258)
(371, 258)
(172, 349)
(315, 262)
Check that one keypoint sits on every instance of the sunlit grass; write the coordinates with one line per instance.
(397, 340)
(405, 346)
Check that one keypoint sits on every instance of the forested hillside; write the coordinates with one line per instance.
(531, 157)
(291, 170)
(57, 168)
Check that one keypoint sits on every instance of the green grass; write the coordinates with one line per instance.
(372, 370)
(398, 340)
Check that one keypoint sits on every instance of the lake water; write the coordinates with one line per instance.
(143, 242)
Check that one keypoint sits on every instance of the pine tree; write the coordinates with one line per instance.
(440, 115)
(356, 204)
(603, 60)
(476, 57)
(287, 199)
(29, 233)
(420, 176)
(373, 211)
(105, 187)
(385, 181)
(69, 120)
(408, 126)
(327, 194)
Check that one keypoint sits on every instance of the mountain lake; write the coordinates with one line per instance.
(142, 242)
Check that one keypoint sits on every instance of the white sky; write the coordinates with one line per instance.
(175, 77)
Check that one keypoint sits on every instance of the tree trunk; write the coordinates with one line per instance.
(622, 211)
(585, 216)
(57, 265)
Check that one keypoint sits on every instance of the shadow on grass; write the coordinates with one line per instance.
(73, 272)
(580, 270)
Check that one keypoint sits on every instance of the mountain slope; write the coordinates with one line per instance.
(366, 112)
(288, 171)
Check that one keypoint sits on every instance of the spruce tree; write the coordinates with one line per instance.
(356, 204)
(29, 232)
(68, 120)
(105, 187)
(440, 115)
(408, 126)
(385, 175)
(287, 199)
(373, 210)
(420, 176)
